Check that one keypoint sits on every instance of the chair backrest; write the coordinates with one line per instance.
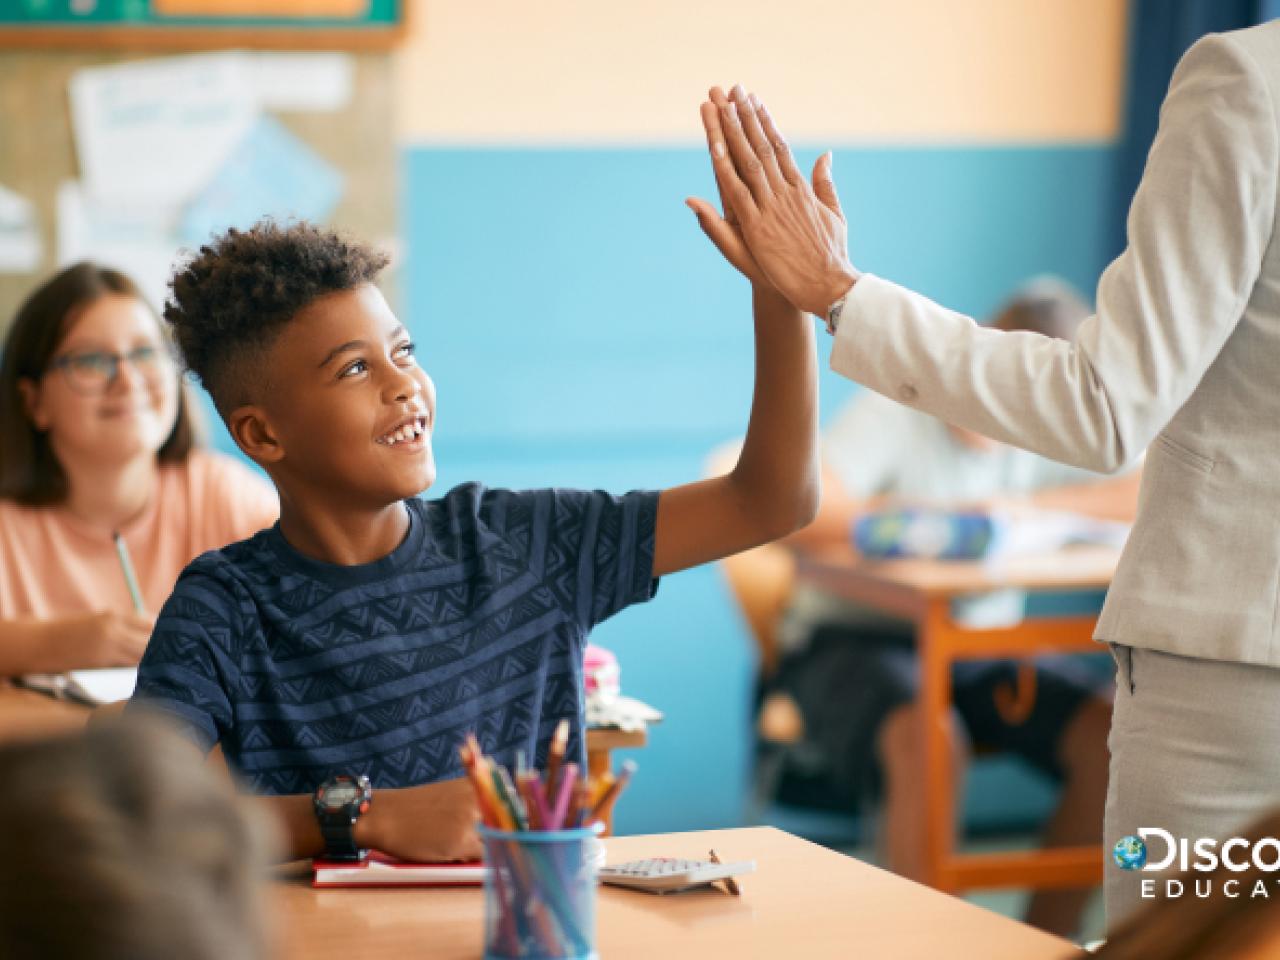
(761, 581)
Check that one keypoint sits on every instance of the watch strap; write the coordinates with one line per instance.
(832, 317)
(338, 830)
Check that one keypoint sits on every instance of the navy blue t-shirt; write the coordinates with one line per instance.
(476, 622)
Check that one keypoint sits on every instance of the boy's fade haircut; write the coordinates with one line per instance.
(230, 302)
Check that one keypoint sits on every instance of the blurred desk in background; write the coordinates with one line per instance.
(922, 592)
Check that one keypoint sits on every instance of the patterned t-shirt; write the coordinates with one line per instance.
(476, 622)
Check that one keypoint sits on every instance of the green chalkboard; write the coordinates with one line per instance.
(202, 23)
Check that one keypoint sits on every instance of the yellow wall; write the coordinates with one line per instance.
(883, 71)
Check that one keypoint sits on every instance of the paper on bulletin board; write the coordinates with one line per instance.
(271, 174)
(155, 131)
(136, 239)
(301, 81)
(20, 246)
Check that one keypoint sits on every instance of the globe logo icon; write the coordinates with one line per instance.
(1129, 853)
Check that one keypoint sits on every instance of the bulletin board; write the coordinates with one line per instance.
(38, 152)
(203, 24)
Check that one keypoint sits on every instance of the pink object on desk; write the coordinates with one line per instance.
(602, 674)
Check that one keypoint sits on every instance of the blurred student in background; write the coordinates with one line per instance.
(97, 436)
(121, 844)
(844, 689)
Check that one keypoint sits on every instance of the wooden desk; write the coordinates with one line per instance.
(922, 592)
(802, 901)
(25, 713)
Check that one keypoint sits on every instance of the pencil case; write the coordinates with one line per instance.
(925, 534)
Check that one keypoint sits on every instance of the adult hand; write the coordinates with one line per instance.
(433, 822)
(793, 232)
(105, 639)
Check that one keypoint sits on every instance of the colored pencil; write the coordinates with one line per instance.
(602, 809)
(534, 809)
(555, 754)
(130, 578)
(564, 791)
(484, 796)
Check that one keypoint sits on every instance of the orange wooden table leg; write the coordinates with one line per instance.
(598, 762)
(938, 782)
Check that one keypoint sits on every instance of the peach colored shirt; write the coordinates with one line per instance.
(53, 565)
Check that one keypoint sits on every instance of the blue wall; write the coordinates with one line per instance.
(582, 332)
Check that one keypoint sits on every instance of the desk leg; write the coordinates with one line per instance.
(938, 781)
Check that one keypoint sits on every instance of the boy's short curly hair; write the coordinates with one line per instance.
(230, 302)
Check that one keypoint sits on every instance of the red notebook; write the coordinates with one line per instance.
(379, 870)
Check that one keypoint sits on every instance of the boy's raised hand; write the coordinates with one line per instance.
(773, 489)
(725, 232)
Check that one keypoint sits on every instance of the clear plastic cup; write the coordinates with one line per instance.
(540, 894)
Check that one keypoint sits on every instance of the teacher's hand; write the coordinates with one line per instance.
(793, 233)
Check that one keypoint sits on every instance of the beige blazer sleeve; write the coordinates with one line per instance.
(1198, 229)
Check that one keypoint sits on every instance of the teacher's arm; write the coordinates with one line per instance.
(1198, 228)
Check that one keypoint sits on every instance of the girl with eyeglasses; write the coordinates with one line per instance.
(97, 436)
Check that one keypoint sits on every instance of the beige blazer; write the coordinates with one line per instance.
(1182, 357)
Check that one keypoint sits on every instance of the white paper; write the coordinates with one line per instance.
(137, 240)
(271, 174)
(88, 686)
(20, 246)
(1032, 532)
(621, 713)
(155, 131)
(300, 81)
(103, 686)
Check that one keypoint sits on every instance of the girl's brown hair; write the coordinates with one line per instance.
(29, 471)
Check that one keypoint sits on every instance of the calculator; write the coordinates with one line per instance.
(669, 875)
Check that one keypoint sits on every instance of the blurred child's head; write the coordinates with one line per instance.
(87, 380)
(121, 843)
(1045, 305)
(312, 372)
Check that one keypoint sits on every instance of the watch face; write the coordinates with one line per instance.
(340, 794)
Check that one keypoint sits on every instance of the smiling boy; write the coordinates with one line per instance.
(369, 630)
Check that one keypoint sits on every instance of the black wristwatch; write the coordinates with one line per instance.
(339, 802)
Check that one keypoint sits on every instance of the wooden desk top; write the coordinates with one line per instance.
(802, 901)
(25, 713)
(903, 586)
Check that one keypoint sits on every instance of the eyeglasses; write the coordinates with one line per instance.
(94, 371)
